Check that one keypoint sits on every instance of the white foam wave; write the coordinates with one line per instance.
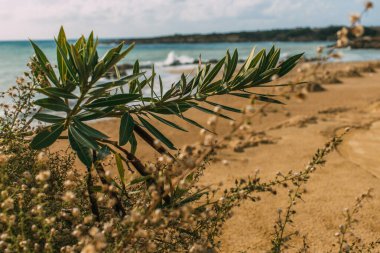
(172, 60)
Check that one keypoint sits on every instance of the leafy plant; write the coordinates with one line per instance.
(75, 94)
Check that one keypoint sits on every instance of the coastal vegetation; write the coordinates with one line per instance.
(99, 195)
(302, 34)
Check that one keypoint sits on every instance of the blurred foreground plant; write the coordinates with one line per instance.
(44, 207)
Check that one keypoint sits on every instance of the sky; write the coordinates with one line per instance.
(41, 19)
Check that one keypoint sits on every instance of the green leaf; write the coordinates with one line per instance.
(156, 133)
(78, 61)
(161, 86)
(54, 104)
(93, 55)
(289, 64)
(181, 192)
(121, 81)
(114, 84)
(231, 66)
(57, 92)
(110, 54)
(47, 136)
(168, 93)
(118, 99)
(268, 100)
(82, 139)
(245, 78)
(215, 70)
(258, 58)
(126, 128)
(264, 77)
(265, 60)
(190, 199)
(183, 83)
(117, 56)
(95, 114)
(96, 188)
(140, 180)
(169, 123)
(194, 123)
(173, 108)
(269, 73)
(211, 112)
(224, 107)
(61, 55)
(98, 72)
(120, 167)
(79, 44)
(45, 64)
(274, 59)
(89, 131)
(133, 142)
(283, 84)
(247, 63)
(136, 70)
(90, 45)
(84, 153)
(210, 89)
(242, 95)
(48, 118)
(62, 49)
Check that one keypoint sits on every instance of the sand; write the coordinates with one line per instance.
(295, 131)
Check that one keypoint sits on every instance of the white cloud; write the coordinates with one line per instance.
(114, 18)
(200, 10)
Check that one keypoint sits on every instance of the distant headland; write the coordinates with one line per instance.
(302, 34)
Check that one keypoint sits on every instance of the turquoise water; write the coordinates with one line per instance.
(14, 55)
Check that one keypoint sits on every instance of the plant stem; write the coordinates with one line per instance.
(280, 240)
(138, 166)
(118, 207)
(92, 195)
(131, 158)
(75, 108)
(150, 140)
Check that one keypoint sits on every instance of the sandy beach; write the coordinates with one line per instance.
(197, 126)
(283, 138)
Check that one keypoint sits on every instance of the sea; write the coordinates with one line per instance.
(14, 55)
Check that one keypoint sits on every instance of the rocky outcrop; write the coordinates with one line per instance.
(366, 42)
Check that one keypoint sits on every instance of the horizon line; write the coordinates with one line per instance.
(185, 34)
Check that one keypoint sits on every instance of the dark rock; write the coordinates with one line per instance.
(314, 87)
(366, 42)
(212, 61)
(350, 72)
(368, 69)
